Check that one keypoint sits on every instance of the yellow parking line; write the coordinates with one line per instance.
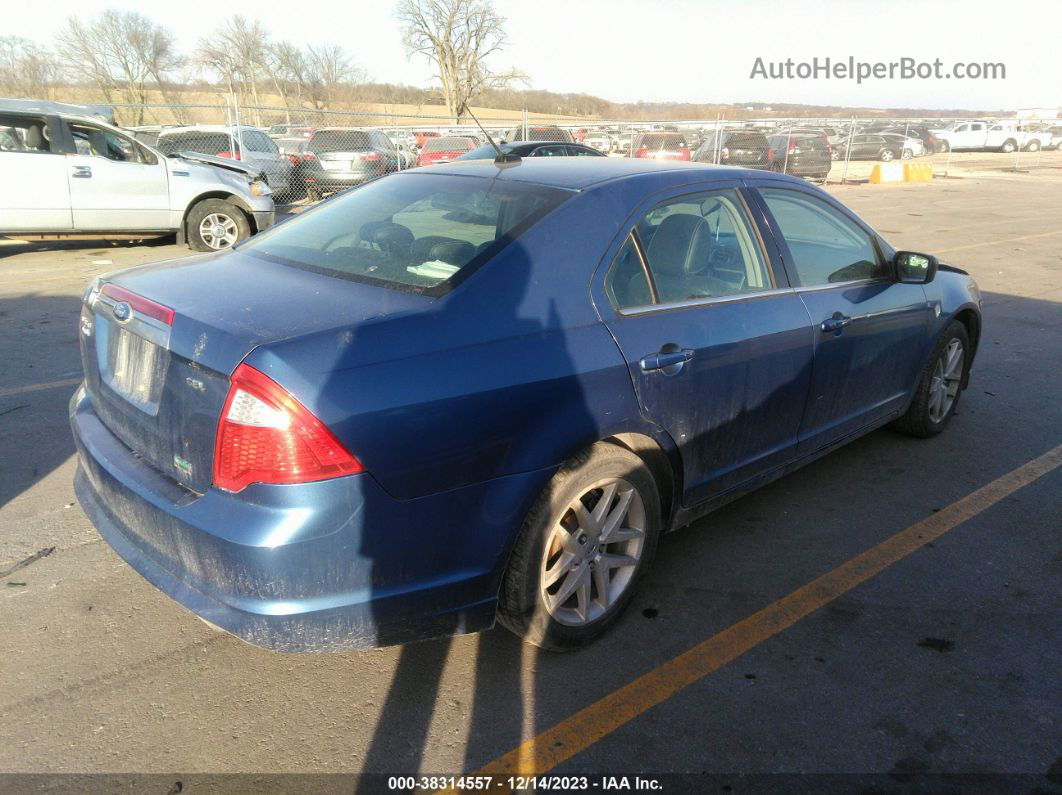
(591, 724)
(21, 390)
(1000, 242)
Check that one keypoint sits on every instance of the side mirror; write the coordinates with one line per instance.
(914, 268)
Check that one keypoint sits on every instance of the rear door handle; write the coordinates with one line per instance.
(664, 360)
(83, 172)
(836, 323)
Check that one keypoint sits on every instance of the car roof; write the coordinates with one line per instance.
(579, 173)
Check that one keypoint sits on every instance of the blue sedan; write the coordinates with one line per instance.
(473, 393)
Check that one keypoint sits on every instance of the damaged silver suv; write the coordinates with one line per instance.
(66, 175)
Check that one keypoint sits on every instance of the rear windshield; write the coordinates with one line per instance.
(486, 151)
(448, 145)
(750, 140)
(339, 141)
(205, 143)
(662, 141)
(417, 232)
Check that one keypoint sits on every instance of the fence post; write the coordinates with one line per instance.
(239, 132)
(848, 151)
(525, 123)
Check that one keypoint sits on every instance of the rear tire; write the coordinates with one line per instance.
(940, 385)
(1034, 146)
(886, 155)
(216, 224)
(1009, 146)
(565, 538)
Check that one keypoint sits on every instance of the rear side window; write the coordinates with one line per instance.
(413, 231)
(825, 246)
(27, 134)
(702, 245)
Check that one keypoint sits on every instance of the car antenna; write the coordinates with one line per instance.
(501, 159)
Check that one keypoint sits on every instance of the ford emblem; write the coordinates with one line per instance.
(122, 311)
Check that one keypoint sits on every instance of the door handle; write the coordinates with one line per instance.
(836, 323)
(82, 172)
(665, 359)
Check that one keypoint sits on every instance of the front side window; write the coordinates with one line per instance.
(826, 247)
(413, 231)
(701, 245)
(98, 142)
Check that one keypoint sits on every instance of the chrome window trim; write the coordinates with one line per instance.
(749, 296)
(671, 306)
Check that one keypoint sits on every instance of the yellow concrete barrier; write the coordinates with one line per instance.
(917, 172)
(886, 172)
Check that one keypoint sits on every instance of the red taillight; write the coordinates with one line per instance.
(642, 153)
(683, 153)
(294, 159)
(792, 145)
(367, 156)
(139, 304)
(309, 156)
(266, 436)
(228, 155)
(770, 154)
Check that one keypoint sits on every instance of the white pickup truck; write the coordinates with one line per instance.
(990, 136)
(72, 176)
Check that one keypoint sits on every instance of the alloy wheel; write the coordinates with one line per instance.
(592, 552)
(218, 231)
(946, 381)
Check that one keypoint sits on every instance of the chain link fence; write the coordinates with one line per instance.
(307, 154)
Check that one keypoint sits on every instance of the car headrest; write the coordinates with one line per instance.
(675, 244)
(455, 252)
(388, 235)
(34, 137)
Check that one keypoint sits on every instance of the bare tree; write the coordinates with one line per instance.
(26, 68)
(329, 70)
(123, 52)
(238, 53)
(457, 36)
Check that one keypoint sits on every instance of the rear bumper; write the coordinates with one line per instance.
(326, 566)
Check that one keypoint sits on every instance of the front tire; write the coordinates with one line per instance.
(216, 224)
(1008, 146)
(886, 155)
(584, 545)
(1034, 146)
(940, 385)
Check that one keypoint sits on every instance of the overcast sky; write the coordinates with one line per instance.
(677, 50)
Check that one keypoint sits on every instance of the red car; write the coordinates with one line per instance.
(443, 150)
(662, 146)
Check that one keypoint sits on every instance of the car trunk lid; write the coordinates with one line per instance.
(159, 343)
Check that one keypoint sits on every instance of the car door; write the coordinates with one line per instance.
(870, 329)
(719, 348)
(34, 195)
(116, 183)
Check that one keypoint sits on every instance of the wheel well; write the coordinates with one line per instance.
(973, 325)
(659, 465)
(217, 194)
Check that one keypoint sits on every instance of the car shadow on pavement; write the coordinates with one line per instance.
(38, 347)
(9, 247)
